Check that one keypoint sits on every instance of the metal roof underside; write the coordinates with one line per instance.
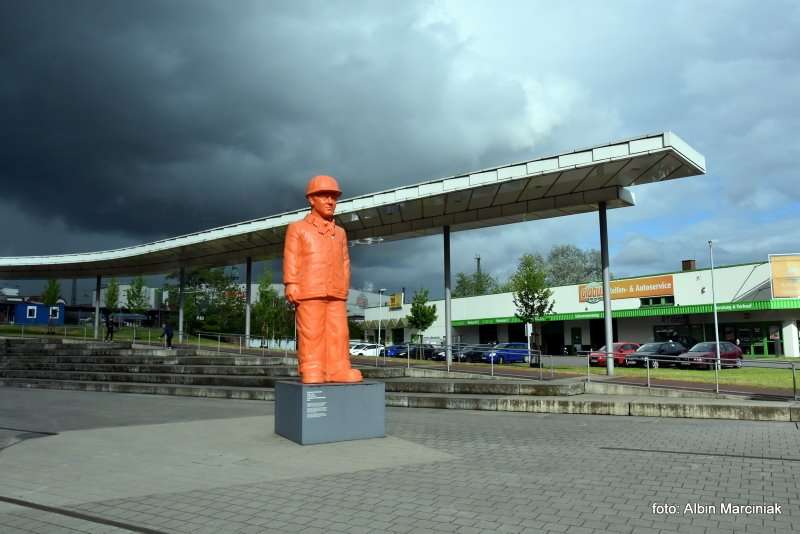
(550, 186)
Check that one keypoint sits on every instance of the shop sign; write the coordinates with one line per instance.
(651, 286)
(736, 306)
(785, 275)
(395, 301)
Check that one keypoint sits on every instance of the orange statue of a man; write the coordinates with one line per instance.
(316, 273)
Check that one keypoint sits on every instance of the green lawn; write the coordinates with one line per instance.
(747, 376)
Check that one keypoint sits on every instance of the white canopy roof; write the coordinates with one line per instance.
(550, 186)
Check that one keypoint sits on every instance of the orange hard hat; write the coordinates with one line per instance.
(322, 183)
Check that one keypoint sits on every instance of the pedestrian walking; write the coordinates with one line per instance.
(167, 333)
(109, 328)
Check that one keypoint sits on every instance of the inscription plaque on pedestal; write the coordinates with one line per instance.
(330, 412)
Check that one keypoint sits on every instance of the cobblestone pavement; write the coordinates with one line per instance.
(504, 472)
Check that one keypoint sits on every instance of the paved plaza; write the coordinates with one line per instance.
(98, 462)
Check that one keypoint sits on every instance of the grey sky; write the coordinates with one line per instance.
(125, 122)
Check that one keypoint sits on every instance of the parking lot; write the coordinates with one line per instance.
(164, 464)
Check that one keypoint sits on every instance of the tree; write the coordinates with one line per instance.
(135, 295)
(50, 296)
(273, 316)
(421, 316)
(212, 301)
(532, 297)
(112, 295)
(567, 265)
(477, 283)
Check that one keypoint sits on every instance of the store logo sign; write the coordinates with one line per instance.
(591, 293)
(651, 286)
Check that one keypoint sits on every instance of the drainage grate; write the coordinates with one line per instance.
(692, 453)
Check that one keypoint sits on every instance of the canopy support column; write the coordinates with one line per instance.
(97, 309)
(181, 283)
(606, 290)
(448, 334)
(248, 297)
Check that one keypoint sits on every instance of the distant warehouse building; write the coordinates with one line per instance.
(758, 306)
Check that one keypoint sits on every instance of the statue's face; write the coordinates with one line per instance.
(323, 204)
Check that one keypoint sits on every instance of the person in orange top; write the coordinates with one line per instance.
(316, 273)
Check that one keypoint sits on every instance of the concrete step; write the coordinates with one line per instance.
(249, 393)
(148, 378)
(151, 360)
(604, 405)
(483, 387)
(251, 370)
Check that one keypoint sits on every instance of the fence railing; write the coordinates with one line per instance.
(653, 364)
(499, 354)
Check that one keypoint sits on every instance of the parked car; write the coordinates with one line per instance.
(396, 350)
(704, 355)
(418, 352)
(507, 353)
(620, 350)
(456, 351)
(367, 349)
(474, 353)
(658, 354)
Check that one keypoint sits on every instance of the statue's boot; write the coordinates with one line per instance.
(348, 375)
(311, 369)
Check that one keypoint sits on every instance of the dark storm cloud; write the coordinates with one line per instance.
(123, 122)
(160, 118)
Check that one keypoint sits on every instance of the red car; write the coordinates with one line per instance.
(621, 349)
(704, 355)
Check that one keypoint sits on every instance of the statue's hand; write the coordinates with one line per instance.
(291, 292)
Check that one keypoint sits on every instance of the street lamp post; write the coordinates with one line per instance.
(380, 315)
(714, 307)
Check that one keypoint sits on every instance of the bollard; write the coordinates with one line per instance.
(408, 356)
(240, 344)
(552, 369)
(647, 364)
(794, 381)
(491, 362)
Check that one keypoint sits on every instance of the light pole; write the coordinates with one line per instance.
(380, 315)
(714, 307)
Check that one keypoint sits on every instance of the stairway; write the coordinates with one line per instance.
(120, 368)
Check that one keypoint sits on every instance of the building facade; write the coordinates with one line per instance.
(669, 306)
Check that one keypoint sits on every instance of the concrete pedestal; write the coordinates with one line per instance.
(325, 413)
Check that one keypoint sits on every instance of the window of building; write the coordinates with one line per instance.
(54, 312)
(658, 301)
(31, 312)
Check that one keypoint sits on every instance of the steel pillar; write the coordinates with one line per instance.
(97, 309)
(448, 331)
(609, 328)
(248, 297)
(181, 283)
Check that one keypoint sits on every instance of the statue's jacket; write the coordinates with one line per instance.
(315, 257)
